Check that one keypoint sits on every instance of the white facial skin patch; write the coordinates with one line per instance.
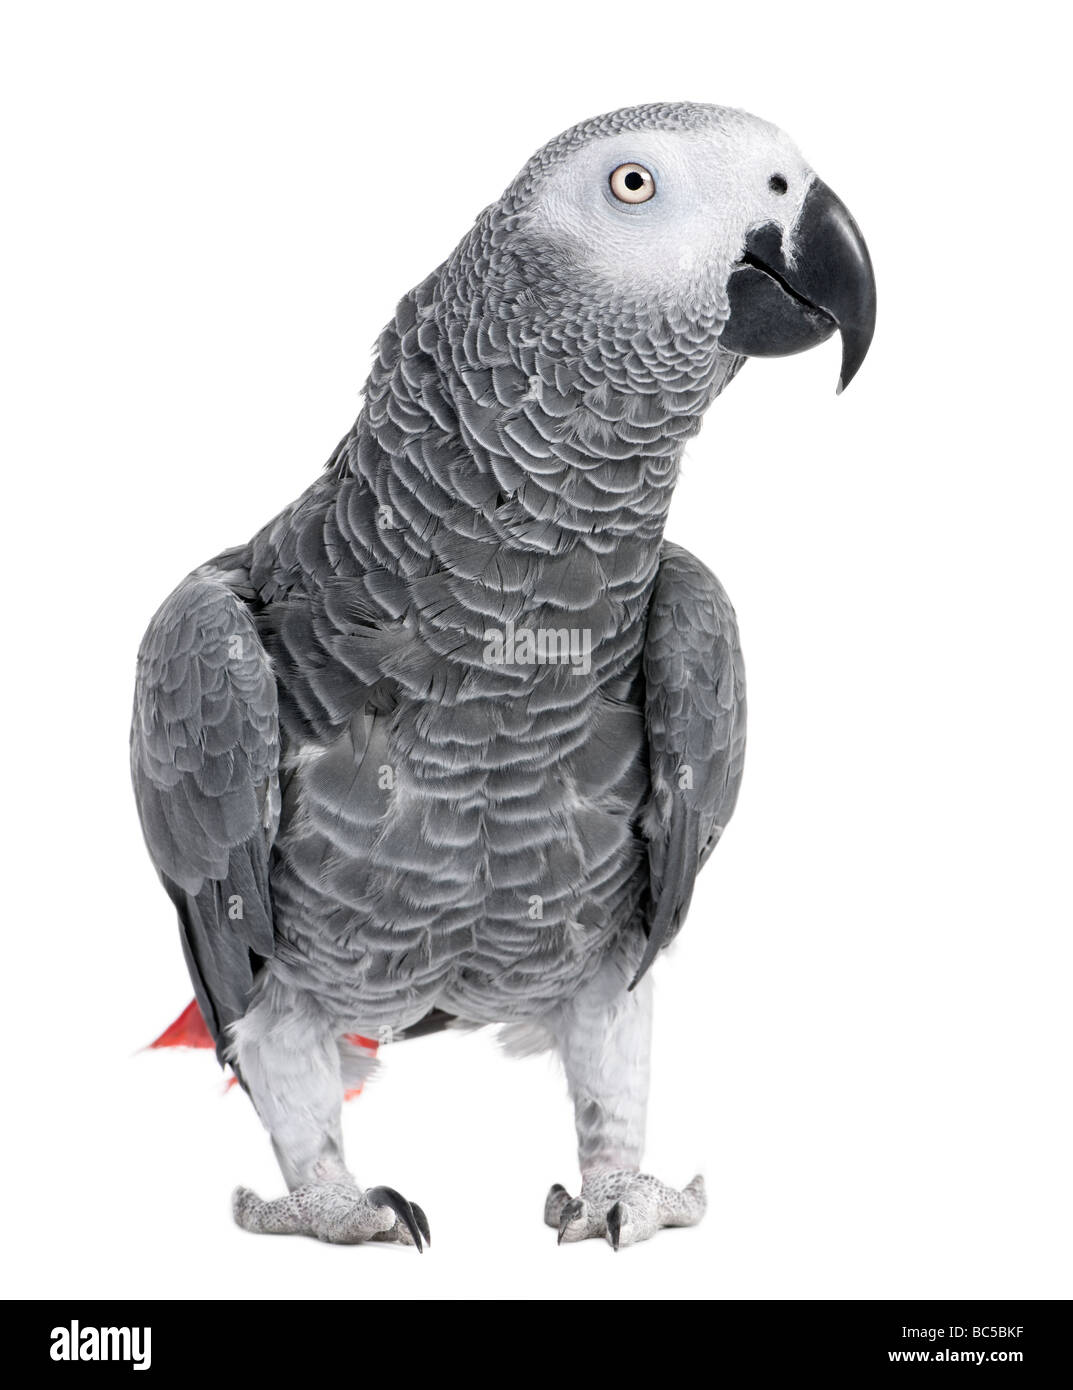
(712, 185)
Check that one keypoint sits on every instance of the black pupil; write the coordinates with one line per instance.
(634, 181)
(777, 183)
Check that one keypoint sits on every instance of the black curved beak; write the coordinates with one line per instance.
(780, 306)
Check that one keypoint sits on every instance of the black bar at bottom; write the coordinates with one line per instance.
(215, 1339)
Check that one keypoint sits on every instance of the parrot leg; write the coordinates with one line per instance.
(288, 1059)
(603, 1036)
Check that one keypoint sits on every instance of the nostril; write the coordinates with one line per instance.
(777, 184)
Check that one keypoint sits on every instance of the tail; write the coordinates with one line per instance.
(189, 1030)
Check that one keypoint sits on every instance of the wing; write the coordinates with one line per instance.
(204, 760)
(695, 719)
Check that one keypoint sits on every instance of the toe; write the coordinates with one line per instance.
(574, 1220)
(694, 1203)
(242, 1199)
(245, 1206)
(557, 1199)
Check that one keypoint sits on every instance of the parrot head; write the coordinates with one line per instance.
(705, 217)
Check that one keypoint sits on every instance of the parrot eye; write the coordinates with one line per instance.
(777, 184)
(632, 183)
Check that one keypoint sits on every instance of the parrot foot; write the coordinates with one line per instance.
(623, 1207)
(338, 1212)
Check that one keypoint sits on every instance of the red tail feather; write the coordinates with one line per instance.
(189, 1030)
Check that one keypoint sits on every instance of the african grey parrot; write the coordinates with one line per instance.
(449, 739)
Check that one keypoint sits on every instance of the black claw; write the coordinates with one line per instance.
(422, 1221)
(388, 1197)
(556, 1188)
(614, 1224)
(569, 1213)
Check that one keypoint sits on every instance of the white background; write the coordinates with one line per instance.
(862, 1038)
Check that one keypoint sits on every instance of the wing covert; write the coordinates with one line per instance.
(695, 721)
(204, 762)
